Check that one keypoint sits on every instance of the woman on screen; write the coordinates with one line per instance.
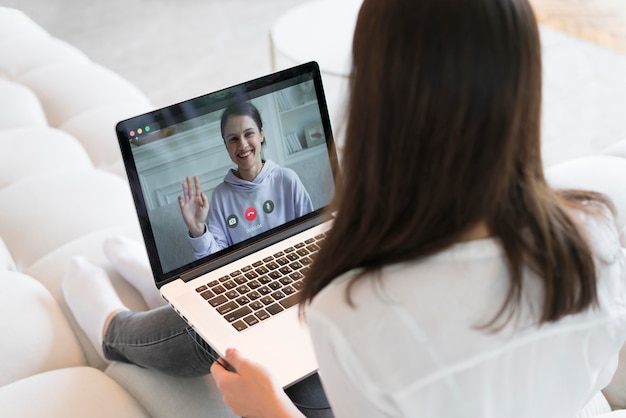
(255, 197)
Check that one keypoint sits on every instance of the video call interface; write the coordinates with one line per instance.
(185, 140)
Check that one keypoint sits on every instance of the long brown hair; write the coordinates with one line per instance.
(443, 133)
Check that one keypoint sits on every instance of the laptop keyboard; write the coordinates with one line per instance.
(264, 288)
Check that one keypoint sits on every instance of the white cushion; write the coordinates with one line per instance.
(36, 335)
(68, 90)
(20, 56)
(22, 107)
(618, 149)
(41, 213)
(166, 396)
(602, 173)
(50, 271)
(95, 129)
(73, 392)
(117, 168)
(36, 151)
(6, 260)
(14, 24)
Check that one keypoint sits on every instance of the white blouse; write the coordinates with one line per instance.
(412, 343)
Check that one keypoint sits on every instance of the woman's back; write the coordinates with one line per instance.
(415, 341)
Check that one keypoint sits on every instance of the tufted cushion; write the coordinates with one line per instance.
(186, 397)
(6, 260)
(14, 24)
(95, 129)
(67, 90)
(20, 56)
(35, 151)
(41, 213)
(37, 337)
(25, 109)
(73, 392)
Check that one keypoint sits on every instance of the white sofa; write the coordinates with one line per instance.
(62, 192)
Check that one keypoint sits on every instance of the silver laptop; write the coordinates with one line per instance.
(245, 295)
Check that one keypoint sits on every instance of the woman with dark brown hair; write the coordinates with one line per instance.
(455, 281)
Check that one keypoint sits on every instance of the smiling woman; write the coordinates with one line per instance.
(255, 183)
(244, 137)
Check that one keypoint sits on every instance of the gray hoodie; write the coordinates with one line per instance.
(241, 209)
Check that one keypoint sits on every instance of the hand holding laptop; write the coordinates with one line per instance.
(194, 206)
(251, 390)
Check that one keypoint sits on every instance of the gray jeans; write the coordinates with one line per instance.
(160, 340)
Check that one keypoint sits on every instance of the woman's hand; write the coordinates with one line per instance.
(251, 391)
(194, 206)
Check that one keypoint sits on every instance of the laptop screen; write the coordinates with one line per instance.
(293, 146)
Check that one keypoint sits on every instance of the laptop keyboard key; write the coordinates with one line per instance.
(272, 265)
(243, 289)
(218, 300)
(274, 285)
(254, 295)
(256, 305)
(227, 307)
(278, 295)
(267, 300)
(290, 301)
(237, 314)
(262, 270)
(262, 314)
(293, 257)
(242, 301)
(251, 320)
(286, 281)
(274, 309)
(218, 289)
(240, 326)
(232, 294)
